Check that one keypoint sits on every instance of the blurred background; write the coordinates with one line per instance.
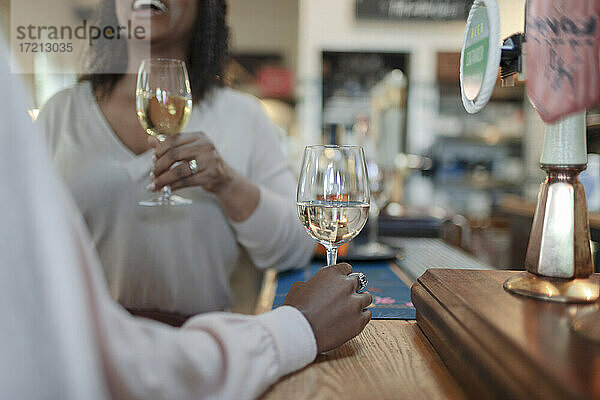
(384, 74)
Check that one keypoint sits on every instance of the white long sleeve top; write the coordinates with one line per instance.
(176, 259)
(62, 337)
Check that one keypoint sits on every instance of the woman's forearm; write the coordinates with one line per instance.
(273, 235)
(239, 197)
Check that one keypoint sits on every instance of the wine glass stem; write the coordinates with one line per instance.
(373, 226)
(165, 193)
(331, 256)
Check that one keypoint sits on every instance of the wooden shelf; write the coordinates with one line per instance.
(516, 205)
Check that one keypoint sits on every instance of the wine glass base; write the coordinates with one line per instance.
(553, 289)
(172, 200)
(373, 250)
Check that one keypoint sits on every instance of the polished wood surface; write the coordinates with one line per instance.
(264, 302)
(499, 345)
(390, 359)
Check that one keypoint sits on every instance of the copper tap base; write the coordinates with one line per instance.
(579, 290)
(559, 243)
(587, 324)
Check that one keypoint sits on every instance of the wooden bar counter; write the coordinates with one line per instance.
(390, 359)
(503, 346)
(472, 340)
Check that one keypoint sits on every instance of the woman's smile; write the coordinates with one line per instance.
(150, 8)
(168, 21)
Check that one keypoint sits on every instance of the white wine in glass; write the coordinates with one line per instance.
(333, 195)
(164, 105)
(163, 117)
(335, 222)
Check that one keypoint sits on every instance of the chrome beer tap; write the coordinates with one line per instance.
(559, 261)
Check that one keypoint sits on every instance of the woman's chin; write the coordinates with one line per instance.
(157, 25)
(159, 41)
(158, 38)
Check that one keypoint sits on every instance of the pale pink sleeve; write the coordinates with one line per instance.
(61, 336)
(214, 356)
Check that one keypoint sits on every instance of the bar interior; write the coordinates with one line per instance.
(301, 199)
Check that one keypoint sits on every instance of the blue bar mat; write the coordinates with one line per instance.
(391, 296)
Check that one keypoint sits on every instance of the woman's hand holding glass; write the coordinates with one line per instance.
(189, 160)
(331, 305)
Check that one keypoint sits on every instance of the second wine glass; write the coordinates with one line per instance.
(164, 104)
(333, 195)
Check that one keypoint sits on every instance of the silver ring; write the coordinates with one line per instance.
(362, 281)
(193, 164)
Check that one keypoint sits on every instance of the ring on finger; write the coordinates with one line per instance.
(193, 164)
(362, 281)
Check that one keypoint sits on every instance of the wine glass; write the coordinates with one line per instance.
(380, 184)
(333, 195)
(164, 104)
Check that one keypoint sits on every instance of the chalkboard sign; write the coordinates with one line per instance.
(439, 10)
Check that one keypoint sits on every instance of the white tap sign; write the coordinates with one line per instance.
(480, 55)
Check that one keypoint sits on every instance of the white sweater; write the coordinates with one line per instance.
(61, 337)
(180, 258)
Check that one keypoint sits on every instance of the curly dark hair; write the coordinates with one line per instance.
(206, 55)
